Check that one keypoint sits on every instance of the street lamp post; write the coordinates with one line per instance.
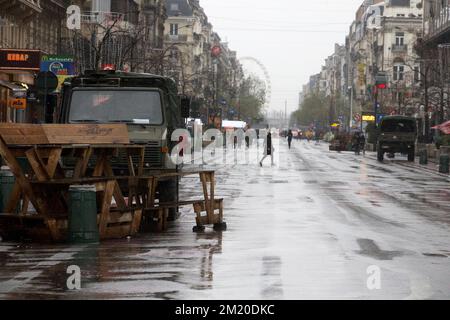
(351, 107)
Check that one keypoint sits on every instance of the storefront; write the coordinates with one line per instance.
(17, 75)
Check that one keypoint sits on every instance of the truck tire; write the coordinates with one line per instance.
(168, 193)
(380, 154)
(412, 155)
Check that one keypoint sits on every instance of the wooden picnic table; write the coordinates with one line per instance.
(45, 184)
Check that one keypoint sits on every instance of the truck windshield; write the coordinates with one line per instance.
(113, 105)
(398, 126)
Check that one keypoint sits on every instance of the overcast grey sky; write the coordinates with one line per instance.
(290, 37)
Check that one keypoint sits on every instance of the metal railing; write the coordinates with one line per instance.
(399, 48)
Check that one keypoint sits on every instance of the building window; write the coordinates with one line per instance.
(399, 38)
(416, 74)
(173, 29)
(174, 7)
(399, 71)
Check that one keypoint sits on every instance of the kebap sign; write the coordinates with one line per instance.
(17, 59)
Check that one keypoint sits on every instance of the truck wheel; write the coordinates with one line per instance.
(380, 155)
(412, 155)
(168, 193)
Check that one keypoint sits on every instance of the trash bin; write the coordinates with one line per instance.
(444, 161)
(423, 157)
(83, 227)
(7, 181)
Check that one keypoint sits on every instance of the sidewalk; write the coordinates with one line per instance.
(432, 166)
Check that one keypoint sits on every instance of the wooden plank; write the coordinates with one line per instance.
(116, 232)
(118, 195)
(32, 134)
(22, 134)
(53, 161)
(86, 133)
(82, 163)
(37, 165)
(136, 223)
(106, 206)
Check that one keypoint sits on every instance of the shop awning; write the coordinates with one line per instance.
(16, 89)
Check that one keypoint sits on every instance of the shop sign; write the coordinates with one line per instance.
(17, 59)
(19, 103)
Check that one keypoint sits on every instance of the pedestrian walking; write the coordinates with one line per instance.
(268, 149)
(290, 136)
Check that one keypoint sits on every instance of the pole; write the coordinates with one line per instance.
(351, 108)
(285, 114)
(376, 106)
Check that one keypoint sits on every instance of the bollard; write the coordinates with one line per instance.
(444, 161)
(423, 157)
(7, 181)
(83, 227)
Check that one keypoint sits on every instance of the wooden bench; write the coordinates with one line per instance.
(46, 186)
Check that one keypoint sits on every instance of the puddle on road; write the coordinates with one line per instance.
(370, 248)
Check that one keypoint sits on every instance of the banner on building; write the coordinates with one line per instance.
(62, 66)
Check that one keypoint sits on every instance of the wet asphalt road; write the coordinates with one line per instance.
(307, 229)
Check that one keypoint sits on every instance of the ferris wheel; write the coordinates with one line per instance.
(267, 79)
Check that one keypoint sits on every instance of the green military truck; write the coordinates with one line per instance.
(148, 104)
(397, 134)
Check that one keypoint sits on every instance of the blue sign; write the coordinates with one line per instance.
(59, 65)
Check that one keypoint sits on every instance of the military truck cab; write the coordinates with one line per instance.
(148, 104)
(397, 135)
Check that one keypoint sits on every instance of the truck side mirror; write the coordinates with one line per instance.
(185, 103)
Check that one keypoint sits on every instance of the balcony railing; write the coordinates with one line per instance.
(175, 38)
(437, 24)
(100, 17)
(399, 48)
(21, 8)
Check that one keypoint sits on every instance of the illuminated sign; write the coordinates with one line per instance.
(20, 104)
(368, 118)
(17, 59)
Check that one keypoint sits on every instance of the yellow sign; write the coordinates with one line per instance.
(20, 104)
(335, 125)
(368, 118)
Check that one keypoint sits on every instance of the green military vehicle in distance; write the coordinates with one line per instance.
(148, 104)
(398, 134)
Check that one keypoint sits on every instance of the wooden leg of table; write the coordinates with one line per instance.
(82, 164)
(141, 162)
(25, 205)
(118, 195)
(212, 202)
(21, 179)
(106, 206)
(136, 222)
(38, 166)
(52, 227)
(100, 165)
(130, 164)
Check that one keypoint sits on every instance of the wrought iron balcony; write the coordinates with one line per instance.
(399, 48)
(175, 38)
(21, 8)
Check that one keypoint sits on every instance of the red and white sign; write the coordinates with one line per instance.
(108, 67)
(445, 127)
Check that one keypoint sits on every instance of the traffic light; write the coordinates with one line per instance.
(381, 81)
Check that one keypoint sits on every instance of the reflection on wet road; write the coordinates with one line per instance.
(309, 228)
